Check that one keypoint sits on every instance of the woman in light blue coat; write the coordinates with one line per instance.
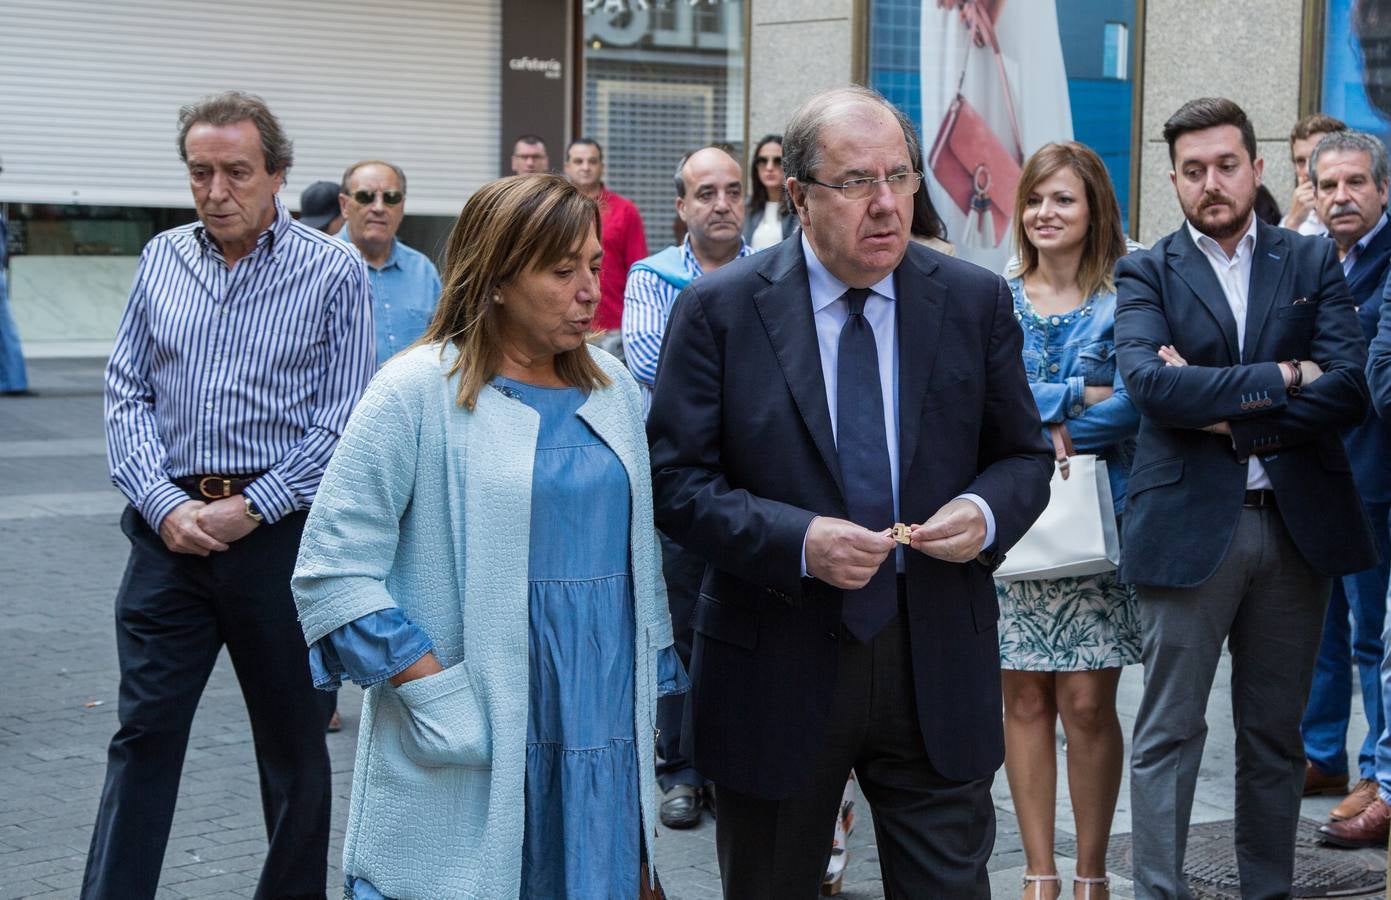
(481, 557)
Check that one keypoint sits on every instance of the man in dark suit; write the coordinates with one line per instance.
(808, 398)
(1240, 347)
(1349, 174)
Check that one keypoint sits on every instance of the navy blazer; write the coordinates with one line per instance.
(743, 458)
(1187, 485)
(1369, 443)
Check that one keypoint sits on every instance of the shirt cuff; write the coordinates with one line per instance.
(273, 499)
(1076, 401)
(368, 650)
(804, 546)
(984, 508)
(160, 501)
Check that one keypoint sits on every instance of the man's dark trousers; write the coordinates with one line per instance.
(770, 849)
(174, 612)
(682, 572)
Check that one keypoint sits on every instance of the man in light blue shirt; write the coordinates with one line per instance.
(405, 284)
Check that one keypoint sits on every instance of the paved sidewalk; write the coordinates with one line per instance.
(61, 557)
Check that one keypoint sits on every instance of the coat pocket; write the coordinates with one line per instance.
(445, 723)
(1153, 475)
(723, 622)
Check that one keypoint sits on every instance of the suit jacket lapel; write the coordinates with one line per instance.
(1193, 267)
(921, 303)
(1268, 264)
(784, 307)
(1370, 262)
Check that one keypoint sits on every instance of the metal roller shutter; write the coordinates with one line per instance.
(92, 89)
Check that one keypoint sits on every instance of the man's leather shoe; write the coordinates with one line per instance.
(1361, 797)
(1315, 782)
(1368, 828)
(681, 807)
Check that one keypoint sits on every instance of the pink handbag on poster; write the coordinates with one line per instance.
(968, 159)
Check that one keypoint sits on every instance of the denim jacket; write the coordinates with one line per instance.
(1065, 353)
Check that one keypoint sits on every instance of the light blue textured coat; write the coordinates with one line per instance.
(427, 506)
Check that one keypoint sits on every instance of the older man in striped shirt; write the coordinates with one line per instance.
(246, 342)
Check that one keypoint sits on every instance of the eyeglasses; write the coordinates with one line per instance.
(863, 188)
(768, 161)
(367, 198)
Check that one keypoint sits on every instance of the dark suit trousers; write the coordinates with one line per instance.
(934, 835)
(1267, 604)
(174, 613)
(682, 572)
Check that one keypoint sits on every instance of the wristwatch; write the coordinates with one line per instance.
(251, 509)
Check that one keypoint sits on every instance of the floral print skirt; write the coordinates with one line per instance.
(1068, 624)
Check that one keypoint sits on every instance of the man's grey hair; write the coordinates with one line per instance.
(348, 173)
(680, 177)
(801, 139)
(231, 107)
(1352, 141)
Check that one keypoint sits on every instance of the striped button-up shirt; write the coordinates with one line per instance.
(647, 304)
(229, 371)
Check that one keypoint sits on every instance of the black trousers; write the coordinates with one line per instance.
(682, 572)
(174, 613)
(934, 835)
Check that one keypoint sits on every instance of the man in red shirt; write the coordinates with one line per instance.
(621, 226)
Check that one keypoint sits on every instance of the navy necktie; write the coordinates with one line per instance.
(864, 463)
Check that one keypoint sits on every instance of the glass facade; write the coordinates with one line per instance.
(1356, 57)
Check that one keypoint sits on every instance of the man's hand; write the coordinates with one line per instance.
(1218, 428)
(226, 520)
(955, 533)
(1171, 357)
(843, 554)
(1093, 394)
(182, 532)
(1312, 371)
(1301, 203)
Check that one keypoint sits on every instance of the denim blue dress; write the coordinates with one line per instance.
(583, 829)
(1087, 623)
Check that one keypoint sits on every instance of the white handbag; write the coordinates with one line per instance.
(1076, 535)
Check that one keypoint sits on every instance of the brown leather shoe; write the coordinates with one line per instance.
(1315, 782)
(1363, 793)
(1369, 828)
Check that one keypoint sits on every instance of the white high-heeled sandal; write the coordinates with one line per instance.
(1037, 881)
(1088, 882)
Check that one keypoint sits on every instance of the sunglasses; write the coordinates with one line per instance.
(768, 161)
(367, 198)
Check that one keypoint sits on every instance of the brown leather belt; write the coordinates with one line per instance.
(1258, 499)
(215, 487)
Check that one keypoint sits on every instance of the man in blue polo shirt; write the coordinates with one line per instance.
(405, 284)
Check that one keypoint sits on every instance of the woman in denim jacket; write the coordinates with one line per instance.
(1063, 642)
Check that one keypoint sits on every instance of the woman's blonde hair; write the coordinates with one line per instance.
(508, 226)
(1105, 237)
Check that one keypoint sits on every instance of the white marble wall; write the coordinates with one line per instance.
(69, 305)
(796, 48)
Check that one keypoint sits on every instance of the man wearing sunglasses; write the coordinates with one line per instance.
(405, 284)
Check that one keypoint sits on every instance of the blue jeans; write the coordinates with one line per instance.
(12, 375)
(1352, 632)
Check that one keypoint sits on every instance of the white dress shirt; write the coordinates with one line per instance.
(1234, 274)
(830, 311)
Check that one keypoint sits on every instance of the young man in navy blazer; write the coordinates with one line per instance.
(1240, 347)
(807, 399)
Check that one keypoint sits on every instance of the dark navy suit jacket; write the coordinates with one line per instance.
(1186, 487)
(743, 459)
(1369, 444)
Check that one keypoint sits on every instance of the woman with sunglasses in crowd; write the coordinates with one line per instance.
(769, 217)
